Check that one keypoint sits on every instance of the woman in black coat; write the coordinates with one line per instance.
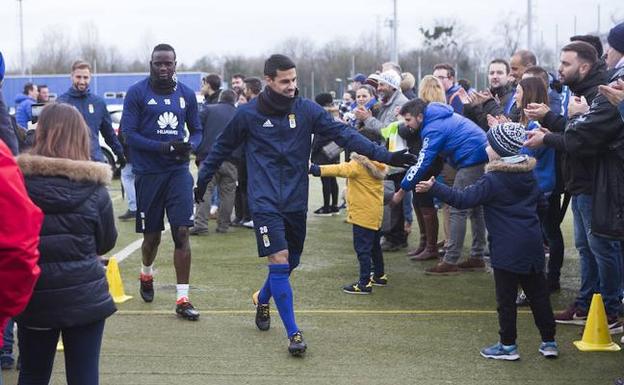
(71, 297)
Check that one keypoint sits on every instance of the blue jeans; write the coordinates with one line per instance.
(8, 339)
(601, 261)
(127, 180)
(82, 353)
(369, 254)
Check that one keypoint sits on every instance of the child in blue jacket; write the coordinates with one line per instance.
(509, 194)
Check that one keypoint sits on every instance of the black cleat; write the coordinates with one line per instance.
(147, 287)
(263, 313)
(297, 345)
(187, 311)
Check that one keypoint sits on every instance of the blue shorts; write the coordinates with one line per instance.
(280, 231)
(171, 191)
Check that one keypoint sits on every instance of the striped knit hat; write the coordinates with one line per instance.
(507, 138)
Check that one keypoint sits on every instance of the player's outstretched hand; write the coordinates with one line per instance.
(425, 185)
(199, 194)
(402, 159)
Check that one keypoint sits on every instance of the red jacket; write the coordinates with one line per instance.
(20, 223)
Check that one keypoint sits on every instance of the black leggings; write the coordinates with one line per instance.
(330, 189)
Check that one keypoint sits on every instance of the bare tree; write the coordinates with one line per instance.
(53, 54)
(510, 29)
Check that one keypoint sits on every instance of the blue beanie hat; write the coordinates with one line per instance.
(616, 38)
(360, 78)
(507, 138)
(1, 67)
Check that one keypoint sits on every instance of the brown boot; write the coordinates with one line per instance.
(472, 264)
(430, 217)
(442, 268)
(423, 235)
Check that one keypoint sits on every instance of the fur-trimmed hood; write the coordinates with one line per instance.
(500, 165)
(74, 170)
(373, 170)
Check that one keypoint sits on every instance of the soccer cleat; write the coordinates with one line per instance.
(147, 287)
(297, 345)
(263, 313)
(549, 349)
(499, 351)
(379, 281)
(186, 310)
(358, 288)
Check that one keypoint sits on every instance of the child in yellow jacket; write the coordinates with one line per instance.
(365, 201)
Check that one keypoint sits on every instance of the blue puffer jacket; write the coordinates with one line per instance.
(509, 195)
(78, 226)
(23, 111)
(93, 110)
(277, 152)
(457, 139)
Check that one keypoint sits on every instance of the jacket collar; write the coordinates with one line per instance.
(373, 170)
(75, 170)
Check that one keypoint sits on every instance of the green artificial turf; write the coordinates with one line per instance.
(417, 330)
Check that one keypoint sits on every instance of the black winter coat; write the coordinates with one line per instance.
(78, 226)
(578, 167)
(214, 118)
(510, 195)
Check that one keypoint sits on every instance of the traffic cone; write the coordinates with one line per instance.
(596, 337)
(115, 285)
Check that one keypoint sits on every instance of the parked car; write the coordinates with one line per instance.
(115, 111)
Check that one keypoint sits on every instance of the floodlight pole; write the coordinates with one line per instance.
(395, 44)
(21, 26)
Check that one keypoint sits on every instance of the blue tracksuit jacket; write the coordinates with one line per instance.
(277, 152)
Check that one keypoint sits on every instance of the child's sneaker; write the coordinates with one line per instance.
(358, 288)
(549, 349)
(499, 351)
(379, 281)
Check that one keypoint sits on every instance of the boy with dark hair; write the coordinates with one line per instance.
(365, 197)
(509, 194)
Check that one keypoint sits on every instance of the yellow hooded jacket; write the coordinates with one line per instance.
(366, 191)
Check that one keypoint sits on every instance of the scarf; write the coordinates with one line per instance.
(272, 103)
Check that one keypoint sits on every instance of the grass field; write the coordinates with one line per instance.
(417, 330)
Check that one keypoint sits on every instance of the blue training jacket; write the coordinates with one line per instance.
(23, 112)
(277, 152)
(460, 141)
(150, 119)
(93, 110)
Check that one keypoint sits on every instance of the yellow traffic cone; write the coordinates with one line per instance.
(115, 285)
(596, 337)
(59, 345)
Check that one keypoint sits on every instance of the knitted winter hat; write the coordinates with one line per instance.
(507, 138)
(390, 78)
(616, 38)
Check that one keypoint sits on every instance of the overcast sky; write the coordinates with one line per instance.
(207, 27)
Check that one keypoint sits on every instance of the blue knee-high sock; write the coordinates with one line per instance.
(265, 291)
(283, 296)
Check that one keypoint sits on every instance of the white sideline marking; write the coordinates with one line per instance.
(131, 248)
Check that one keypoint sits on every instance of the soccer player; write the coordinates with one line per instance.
(155, 111)
(276, 129)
